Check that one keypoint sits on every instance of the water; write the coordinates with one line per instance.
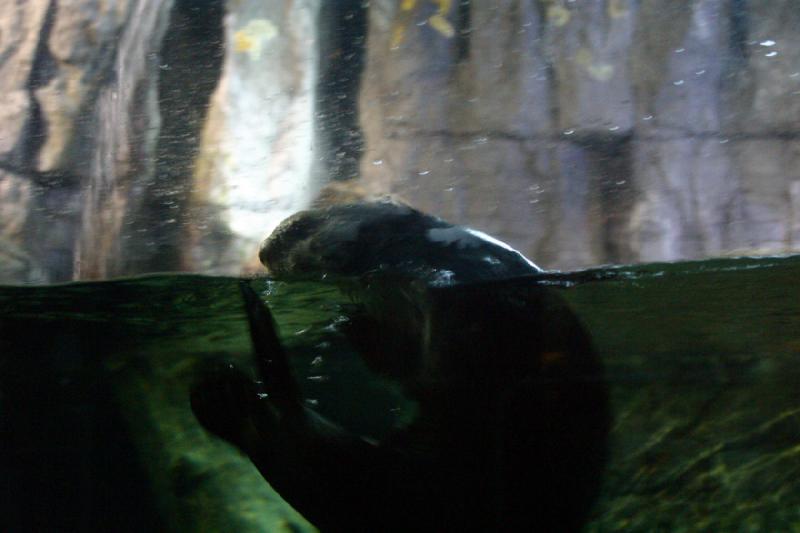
(97, 431)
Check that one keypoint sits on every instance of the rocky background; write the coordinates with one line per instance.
(152, 135)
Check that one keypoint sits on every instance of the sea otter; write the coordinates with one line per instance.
(512, 409)
(353, 239)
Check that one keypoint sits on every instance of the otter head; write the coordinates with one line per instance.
(301, 243)
(355, 239)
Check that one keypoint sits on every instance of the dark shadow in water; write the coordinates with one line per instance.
(68, 461)
(511, 427)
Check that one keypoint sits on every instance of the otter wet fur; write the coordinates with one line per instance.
(512, 422)
(354, 239)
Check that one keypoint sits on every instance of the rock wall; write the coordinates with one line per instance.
(77, 84)
(150, 135)
(254, 167)
(591, 132)
(173, 135)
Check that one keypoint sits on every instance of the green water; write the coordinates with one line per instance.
(97, 433)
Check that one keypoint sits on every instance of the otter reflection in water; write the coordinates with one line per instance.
(512, 410)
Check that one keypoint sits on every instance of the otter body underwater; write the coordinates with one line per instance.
(513, 413)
